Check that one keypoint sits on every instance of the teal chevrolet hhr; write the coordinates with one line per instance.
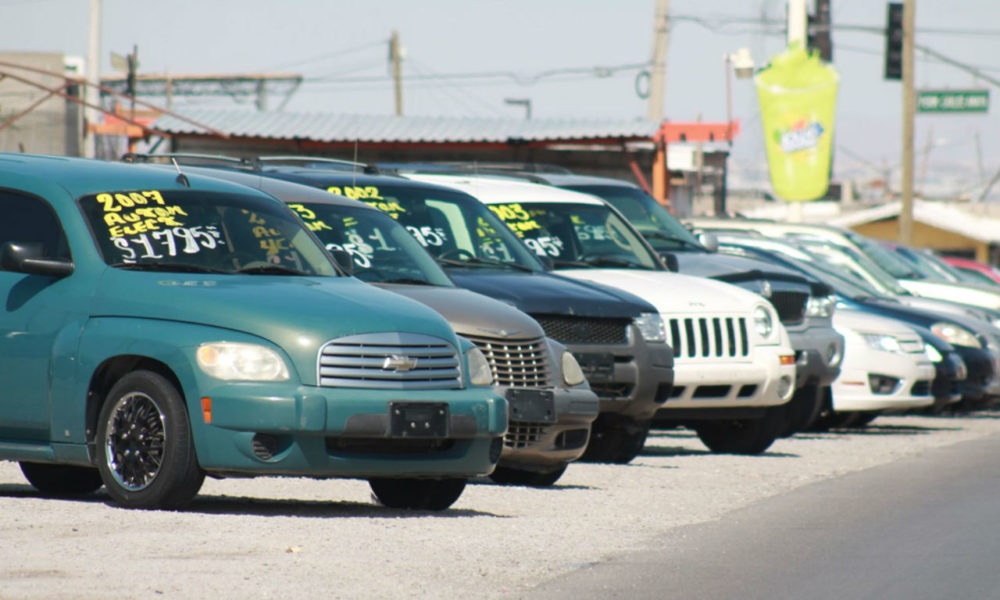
(159, 327)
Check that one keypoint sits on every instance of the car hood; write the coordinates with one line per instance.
(299, 314)
(472, 314)
(673, 293)
(544, 293)
(739, 270)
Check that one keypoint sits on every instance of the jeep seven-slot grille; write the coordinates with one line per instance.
(791, 306)
(400, 361)
(709, 337)
(520, 363)
(584, 330)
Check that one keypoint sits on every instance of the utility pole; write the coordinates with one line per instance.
(395, 59)
(657, 74)
(909, 109)
(798, 33)
(93, 73)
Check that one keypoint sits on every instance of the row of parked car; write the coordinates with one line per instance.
(176, 316)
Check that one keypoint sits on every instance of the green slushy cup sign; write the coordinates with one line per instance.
(798, 97)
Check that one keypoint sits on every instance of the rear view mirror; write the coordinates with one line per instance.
(709, 241)
(344, 260)
(669, 261)
(27, 258)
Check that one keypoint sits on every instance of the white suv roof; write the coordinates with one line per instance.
(500, 190)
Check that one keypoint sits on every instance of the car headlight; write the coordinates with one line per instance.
(932, 354)
(479, 367)
(571, 371)
(763, 322)
(820, 306)
(651, 327)
(955, 334)
(234, 361)
(882, 342)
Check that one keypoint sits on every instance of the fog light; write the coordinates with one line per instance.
(785, 387)
(832, 355)
(265, 446)
(882, 384)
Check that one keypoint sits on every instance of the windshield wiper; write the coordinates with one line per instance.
(270, 269)
(166, 266)
(476, 261)
(410, 280)
(661, 235)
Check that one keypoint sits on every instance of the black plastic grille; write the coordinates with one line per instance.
(522, 435)
(584, 330)
(791, 306)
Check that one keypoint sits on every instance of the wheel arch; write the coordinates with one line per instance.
(109, 372)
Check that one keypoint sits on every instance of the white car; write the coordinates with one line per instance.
(734, 366)
(886, 367)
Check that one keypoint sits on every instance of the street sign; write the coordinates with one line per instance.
(951, 101)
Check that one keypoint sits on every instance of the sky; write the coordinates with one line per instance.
(571, 58)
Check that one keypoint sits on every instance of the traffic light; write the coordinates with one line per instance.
(894, 41)
(818, 37)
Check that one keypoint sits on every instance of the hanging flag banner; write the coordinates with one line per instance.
(798, 96)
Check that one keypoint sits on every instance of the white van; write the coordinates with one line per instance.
(734, 366)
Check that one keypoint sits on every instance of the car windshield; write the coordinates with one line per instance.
(200, 231)
(659, 227)
(855, 264)
(577, 235)
(455, 228)
(382, 250)
(886, 259)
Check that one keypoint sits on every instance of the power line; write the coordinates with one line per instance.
(328, 55)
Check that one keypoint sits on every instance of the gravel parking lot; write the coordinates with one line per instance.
(292, 538)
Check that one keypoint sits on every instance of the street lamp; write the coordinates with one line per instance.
(741, 64)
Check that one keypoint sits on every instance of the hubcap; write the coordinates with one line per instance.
(136, 436)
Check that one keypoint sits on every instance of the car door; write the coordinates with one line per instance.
(29, 320)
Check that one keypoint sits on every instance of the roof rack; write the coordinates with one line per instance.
(318, 162)
(188, 158)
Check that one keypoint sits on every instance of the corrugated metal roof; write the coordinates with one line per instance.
(330, 127)
(943, 216)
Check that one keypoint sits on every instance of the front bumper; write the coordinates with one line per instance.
(638, 379)
(716, 385)
(545, 445)
(283, 429)
(852, 391)
(818, 353)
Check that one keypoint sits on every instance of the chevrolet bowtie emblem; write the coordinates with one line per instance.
(399, 362)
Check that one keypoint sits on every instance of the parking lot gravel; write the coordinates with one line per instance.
(299, 538)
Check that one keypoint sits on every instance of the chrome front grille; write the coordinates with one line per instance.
(389, 360)
(516, 363)
(709, 337)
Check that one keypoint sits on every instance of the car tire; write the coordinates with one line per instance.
(512, 476)
(615, 439)
(145, 450)
(803, 409)
(742, 436)
(417, 494)
(61, 480)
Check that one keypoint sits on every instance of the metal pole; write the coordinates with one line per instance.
(91, 93)
(909, 109)
(658, 72)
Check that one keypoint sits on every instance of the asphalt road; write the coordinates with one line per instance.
(927, 527)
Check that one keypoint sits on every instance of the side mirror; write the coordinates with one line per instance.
(669, 261)
(344, 260)
(27, 258)
(709, 241)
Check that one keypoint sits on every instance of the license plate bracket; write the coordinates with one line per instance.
(418, 419)
(531, 406)
(597, 366)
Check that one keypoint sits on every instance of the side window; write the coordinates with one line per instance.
(31, 221)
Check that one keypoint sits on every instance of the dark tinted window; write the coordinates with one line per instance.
(31, 222)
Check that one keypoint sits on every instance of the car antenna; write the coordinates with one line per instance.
(181, 177)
